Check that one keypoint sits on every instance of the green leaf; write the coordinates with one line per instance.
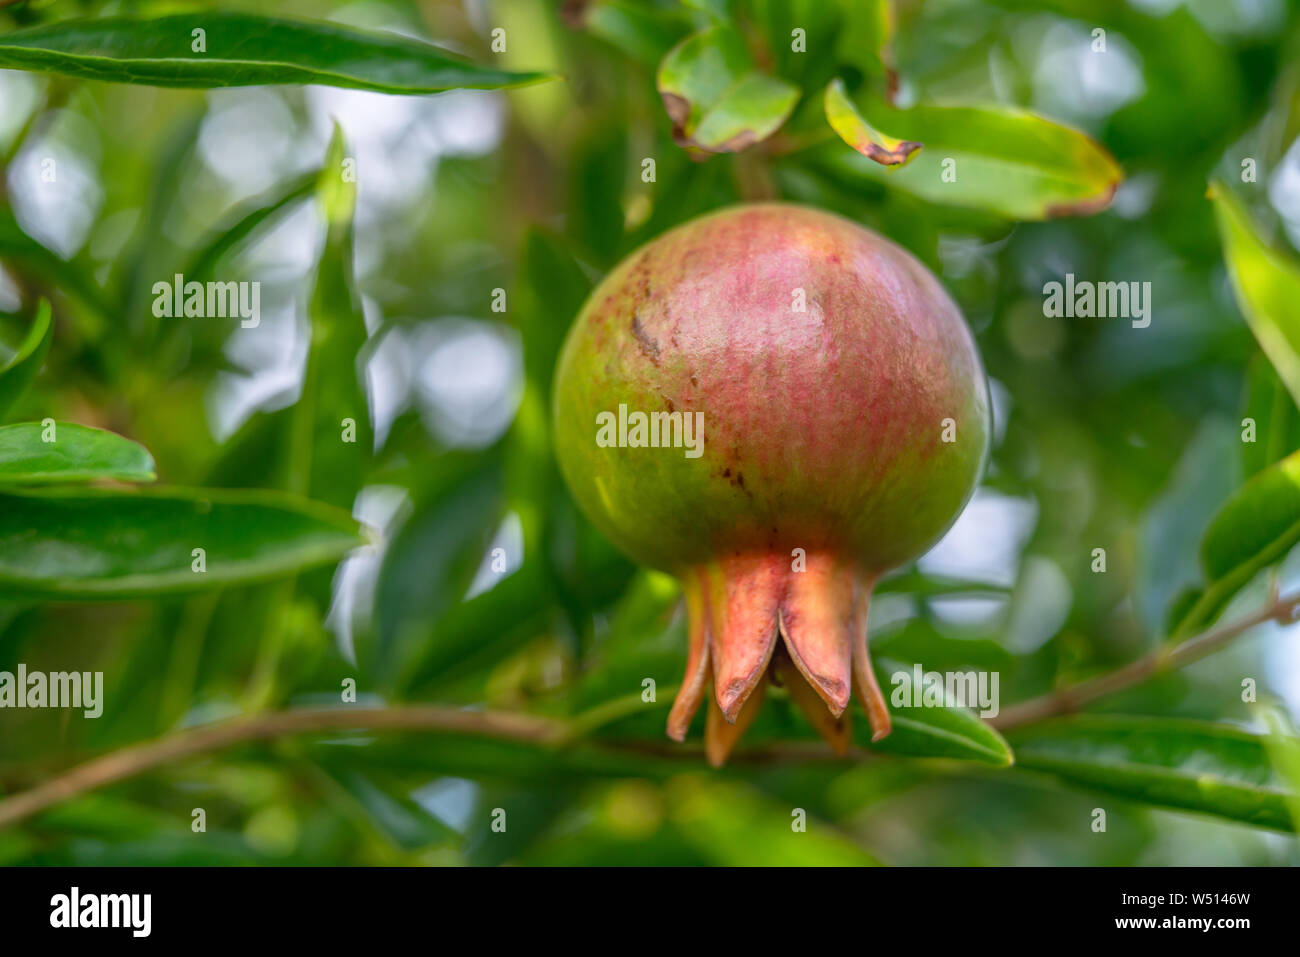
(77, 454)
(533, 810)
(841, 31)
(866, 38)
(1267, 285)
(716, 98)
(853, 128)
(476, 634)
(919, 640)
(632, 28)
(42, 263)
(18, 374)
(1269, 406)
(1284, 751)
(1252, 530)
(321, 462)
(929, 732)
(431, 561)
(108, 544)
(1194, 765)
(999, 159)
(243, 49)
(393, 814)
(553, 286)
(246, 221)
(735, 826)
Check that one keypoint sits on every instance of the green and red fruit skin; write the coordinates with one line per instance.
(840, 440)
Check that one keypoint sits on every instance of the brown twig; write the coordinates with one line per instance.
(136, 759)
(1165, 658)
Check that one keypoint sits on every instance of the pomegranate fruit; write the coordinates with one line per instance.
(777, 406)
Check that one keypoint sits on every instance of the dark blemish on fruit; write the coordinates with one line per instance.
(647, 342)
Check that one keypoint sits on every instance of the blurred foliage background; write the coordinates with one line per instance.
(484, 588)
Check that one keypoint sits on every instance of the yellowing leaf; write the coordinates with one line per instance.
(999, 159)
(854, 129)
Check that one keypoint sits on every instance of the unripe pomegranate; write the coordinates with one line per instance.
(777, 406)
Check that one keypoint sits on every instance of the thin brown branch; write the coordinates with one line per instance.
(137, 759)
(1165, 658)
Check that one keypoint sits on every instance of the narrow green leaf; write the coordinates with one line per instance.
(639, 32)
(478, 633)
(999, 159)
(431, 560)
(920, 585)
(217, 49)
(246, 221)
(76, 453)
(716, 98)
(534, 808)
(1284, 751)
(716, 10)
(1194, 765)
(930, 732)
(553, 284)
(921, 641)
(866, 38)
(1267, 285)
(736, 826)
(332, 437)
(19, 372)
(853, 128)
(107, 544)
(392, 813)
(1252, 530)
(29, 255)
(1271, 415)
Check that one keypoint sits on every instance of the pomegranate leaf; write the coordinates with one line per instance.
(734, 825)
(998, 159)
(18, 373)
(1276, 419)
(246, 221)
(716, 98)
(1253, 530)
(1199, 766)
(76, 453)
(1267, 285)
(108, 544)
(866, 38)
(929, 732)
(1284, 750)
(22, 250)
(854, 129)
(641, 33)
(331, 439)
(218, 49)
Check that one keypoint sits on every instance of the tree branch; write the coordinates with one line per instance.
(1165, 658)
(137, 759)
